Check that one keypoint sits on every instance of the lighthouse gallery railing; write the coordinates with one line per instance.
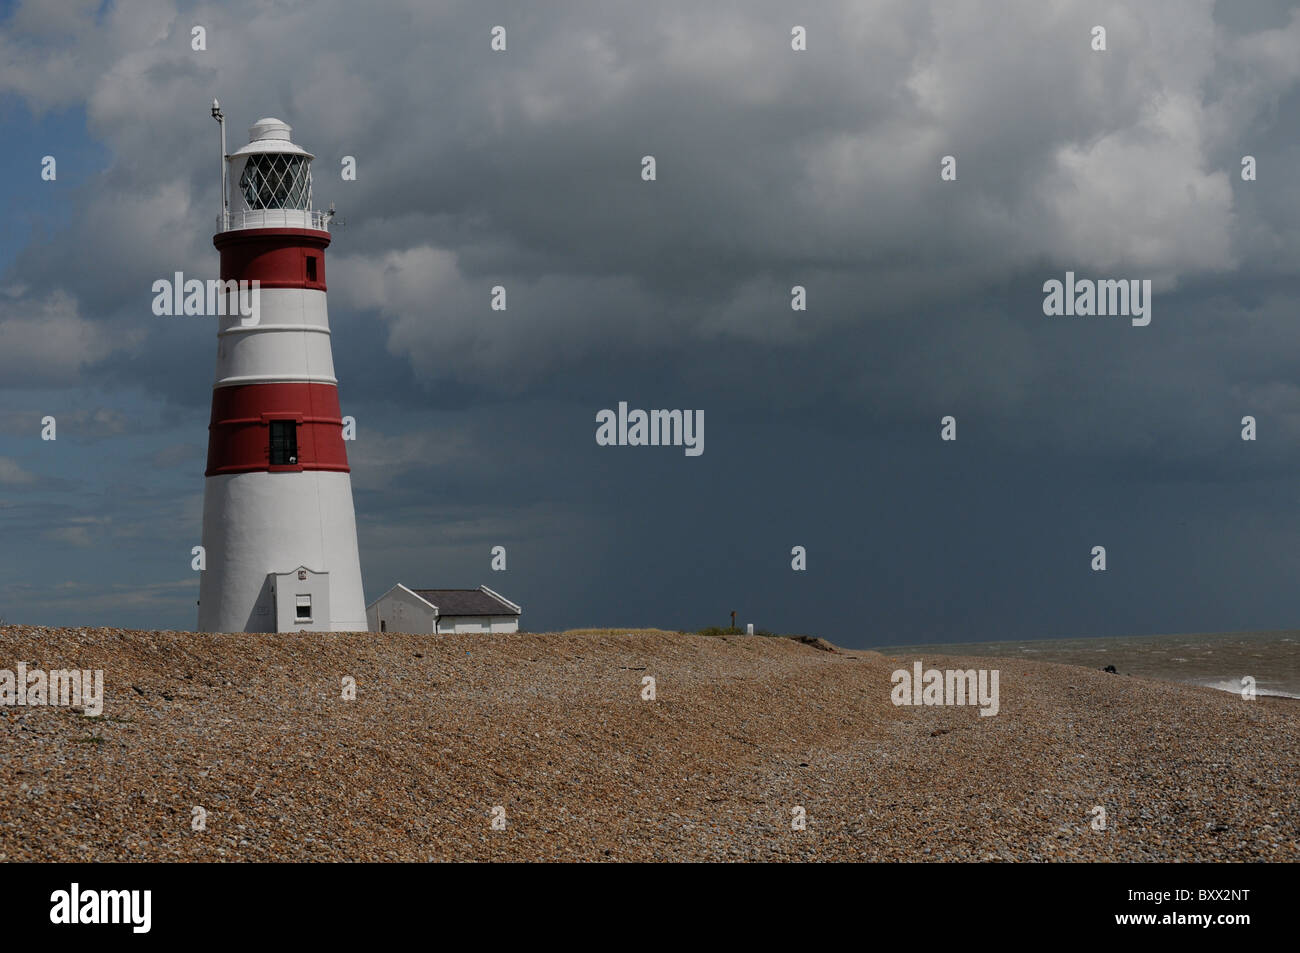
(275, 218)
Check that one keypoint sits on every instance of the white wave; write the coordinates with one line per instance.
(1233, 687)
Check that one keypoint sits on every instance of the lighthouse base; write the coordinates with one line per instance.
(272, 540)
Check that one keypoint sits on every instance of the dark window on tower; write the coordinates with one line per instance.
(284, 443)
(311, 267)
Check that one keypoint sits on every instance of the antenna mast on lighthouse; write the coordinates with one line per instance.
(220, 117)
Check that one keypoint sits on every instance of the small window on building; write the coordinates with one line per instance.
(284, 443)
(303, 613)
(311, 267)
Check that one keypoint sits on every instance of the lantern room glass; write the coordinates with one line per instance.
(276, 180)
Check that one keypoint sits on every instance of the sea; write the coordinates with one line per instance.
(1216, 660)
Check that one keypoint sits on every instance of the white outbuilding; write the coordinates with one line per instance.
(417, 611)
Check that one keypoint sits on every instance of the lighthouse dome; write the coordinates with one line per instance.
(269, 128)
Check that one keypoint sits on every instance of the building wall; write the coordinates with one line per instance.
(401, 612)
(287, 587)
(496, 623)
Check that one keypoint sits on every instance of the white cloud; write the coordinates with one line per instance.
(11, 474)
(46, 342)
(82, 532)
(1140, 203)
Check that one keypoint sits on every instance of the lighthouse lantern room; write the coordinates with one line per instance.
(279, 529)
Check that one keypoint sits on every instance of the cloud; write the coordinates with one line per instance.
(46, 342)
(440, 321)
(82, 532)
(11, 474)
(90, 597)
(377, 459)
(774, 165)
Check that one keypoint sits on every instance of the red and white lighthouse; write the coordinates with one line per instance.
(279, 530)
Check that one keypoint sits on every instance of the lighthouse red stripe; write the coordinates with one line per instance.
(239, 439)
(276, 257)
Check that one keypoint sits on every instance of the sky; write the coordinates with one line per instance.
(774, 168)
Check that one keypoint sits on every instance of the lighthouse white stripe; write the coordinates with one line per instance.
(300, 308)
(274, 327)
(290, 343)
(273, 379)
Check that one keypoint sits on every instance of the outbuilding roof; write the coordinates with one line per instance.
(481, 601)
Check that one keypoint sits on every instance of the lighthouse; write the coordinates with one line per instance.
(279, 529)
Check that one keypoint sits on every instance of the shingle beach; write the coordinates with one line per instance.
(553, 729)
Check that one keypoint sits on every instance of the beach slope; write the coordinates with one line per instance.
(252, 740)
